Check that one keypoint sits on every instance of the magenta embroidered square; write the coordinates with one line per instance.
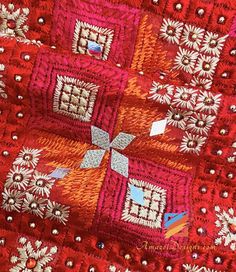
(99, 29)
(65, 93)
(164, 191)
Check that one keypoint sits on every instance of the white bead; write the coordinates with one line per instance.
(78, 239)
(221, 19)
(200, 12)
(219, 152)
(14, 137)
(141, 73)
(9, 219)
(233, 108)
(41, 20)
(212, 171)
(224, 194)
(232, 52)
(32, 225)
(218, 260)
(194, 255)
(20, 97)
(168, 268)
(230, 175)
(201, 231)
(2, 241)
(5, 153)
(26, 57)
(178, 6)
(203, 210)
(118, 65)
(20, 115)
(18, 78)
(69, 263)
(144, 262)
(55, 232)
(2, 49)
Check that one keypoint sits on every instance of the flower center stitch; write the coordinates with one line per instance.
(27, 157)
(11, 24)
(232, 228)
(208, 101)
(206, 66)
(40, 182)
(17, 177)
(31, 263)
(213, 43)
(192, 144)
(200, 123)
(185, 60)
(192, 36)
(170, 31)
(177, 116)
(184, 96)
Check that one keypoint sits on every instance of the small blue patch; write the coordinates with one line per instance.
(137, 194)
(94, 47)
(59, 173)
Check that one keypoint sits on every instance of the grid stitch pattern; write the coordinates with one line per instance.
(149, 214)
(74, 98)
(85, 32)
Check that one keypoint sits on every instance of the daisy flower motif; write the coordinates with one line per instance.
(161, 93)
(208, 102)
(185, 60)
(28, 157)
(33, 205)
(200, 123)
(58, 212)
(192, 36)
(12, 21)
(33, 257)
(184, 97)
(226, 221)
(12, 200)
(18, 177)
(201, 83)
(206, 66)
(192, 143)
(213, 44)
(41, 184)
(171, 30)
(177, 118)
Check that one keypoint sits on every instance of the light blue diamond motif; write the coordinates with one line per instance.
(137, 194)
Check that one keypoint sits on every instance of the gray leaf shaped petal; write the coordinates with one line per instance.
(92, 158)
(100, 137)
(119, 163)
(122, 140)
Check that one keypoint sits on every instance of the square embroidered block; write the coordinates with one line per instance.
(151, 212)
(138, 203)
(70, 96)
(86, 33)
(100, 30)
(74, 98)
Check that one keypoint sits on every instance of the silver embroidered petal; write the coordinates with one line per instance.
(100, 137)
(92, 158)
(119, 163)
(122, 140)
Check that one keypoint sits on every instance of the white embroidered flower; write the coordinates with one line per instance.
(28, 157)
(227, 223)
(192, 36)
(161, 93)
(12, 22)
(185, 60)
(206, 66)
(184, 97)
(56, 211)
(201, 83)
(12, 200)
(34, 205)
(213, 44)
(177, 118)
(41, 184)
(18, 177)
(171, 30)
(200, 123)
(208, 102)
(192, 143)
(33, 257)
